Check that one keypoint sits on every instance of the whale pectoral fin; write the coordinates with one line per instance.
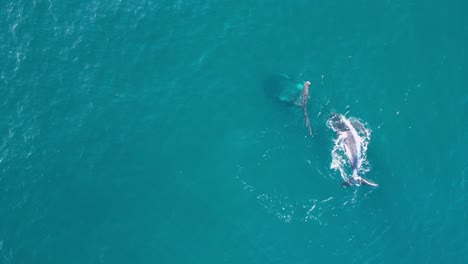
(368, 182)
(359, 126)
(345, 184)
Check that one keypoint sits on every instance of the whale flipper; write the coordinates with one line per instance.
(359, 126)
(368, 182)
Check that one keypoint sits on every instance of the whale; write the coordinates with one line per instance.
(350, 142)
(283, 89)
(288, 91)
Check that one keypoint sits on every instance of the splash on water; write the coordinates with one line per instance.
(284, 208)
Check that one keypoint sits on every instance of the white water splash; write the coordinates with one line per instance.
(284, 208)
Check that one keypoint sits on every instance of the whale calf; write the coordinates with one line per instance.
(350, 142)
(290, 92)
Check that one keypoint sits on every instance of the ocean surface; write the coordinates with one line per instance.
(145, 131)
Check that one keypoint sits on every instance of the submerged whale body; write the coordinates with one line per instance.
(350, 142)
(287, 91)
(283, 88)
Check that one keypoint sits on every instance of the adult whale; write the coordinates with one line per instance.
(351, 145)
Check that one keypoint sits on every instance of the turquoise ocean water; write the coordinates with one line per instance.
(142, 131)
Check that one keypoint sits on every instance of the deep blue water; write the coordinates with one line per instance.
(143, 131)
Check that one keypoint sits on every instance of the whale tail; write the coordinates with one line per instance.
(360, 180)
(368, 182)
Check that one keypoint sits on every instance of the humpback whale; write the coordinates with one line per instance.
(350, 142)
(288, 91)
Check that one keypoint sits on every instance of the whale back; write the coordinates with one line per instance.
(350, 140)
(352, 149)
